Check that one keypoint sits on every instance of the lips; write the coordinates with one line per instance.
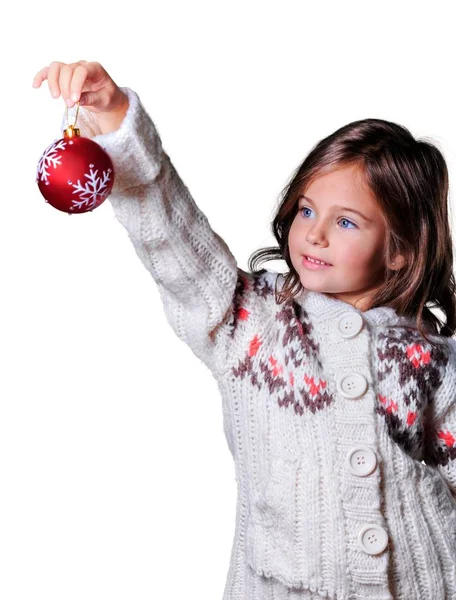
(316, 258)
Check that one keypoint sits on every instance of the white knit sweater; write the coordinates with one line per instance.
(329, 412)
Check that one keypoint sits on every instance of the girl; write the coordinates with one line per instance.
(337, 384)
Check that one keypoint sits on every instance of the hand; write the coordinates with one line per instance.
(86, 82)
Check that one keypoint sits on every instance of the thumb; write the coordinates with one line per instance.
(86, 98)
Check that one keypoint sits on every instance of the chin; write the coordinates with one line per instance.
(313, 286)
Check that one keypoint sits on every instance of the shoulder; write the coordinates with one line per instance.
(451, 343)
(254, 294)
(450, 356)
(445, 396)
(250, 312)
(257, 285)
(407, 329)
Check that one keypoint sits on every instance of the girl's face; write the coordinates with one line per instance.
(353, 245)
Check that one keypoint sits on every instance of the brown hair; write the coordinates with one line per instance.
(409, 179)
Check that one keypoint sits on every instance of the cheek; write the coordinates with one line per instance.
(293, 238)
(358, 253)
(354, 251)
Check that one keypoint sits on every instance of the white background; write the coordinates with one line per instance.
(116, 480)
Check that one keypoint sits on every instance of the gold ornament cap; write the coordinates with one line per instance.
(72, 131)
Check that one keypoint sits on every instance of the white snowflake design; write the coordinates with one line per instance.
(93, 191)
(49, 158)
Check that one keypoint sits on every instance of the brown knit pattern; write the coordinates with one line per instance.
(281, 371)
(414, 370)
(290, 370)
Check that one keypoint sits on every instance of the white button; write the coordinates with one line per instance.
(361, 461)
(352, 385)
(373, 539)
(349, 324)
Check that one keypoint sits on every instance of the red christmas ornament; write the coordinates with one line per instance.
(75, 174)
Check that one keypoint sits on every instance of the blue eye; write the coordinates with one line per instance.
(355, 226)
(343, 218)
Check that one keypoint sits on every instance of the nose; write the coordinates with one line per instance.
(316, 235)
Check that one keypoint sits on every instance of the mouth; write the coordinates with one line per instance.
(313, 265)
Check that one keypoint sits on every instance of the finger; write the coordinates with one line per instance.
(80, 75)
(38, 79)
(53, 77)
(66, 75)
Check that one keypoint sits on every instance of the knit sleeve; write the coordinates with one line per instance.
(194, 269)
(440, 451)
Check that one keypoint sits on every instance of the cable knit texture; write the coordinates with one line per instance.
(341, 423)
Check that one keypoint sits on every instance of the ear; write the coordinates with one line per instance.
(397, 263)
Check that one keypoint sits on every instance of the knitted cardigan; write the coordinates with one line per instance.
(341, 423)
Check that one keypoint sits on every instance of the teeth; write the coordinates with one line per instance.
(319, 262)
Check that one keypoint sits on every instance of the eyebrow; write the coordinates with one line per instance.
(337, 206)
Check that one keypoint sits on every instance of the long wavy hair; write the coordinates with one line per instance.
(409, 179)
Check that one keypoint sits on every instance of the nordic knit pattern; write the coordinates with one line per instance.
(289, 424)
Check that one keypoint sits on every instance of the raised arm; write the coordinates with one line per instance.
(194, 269)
